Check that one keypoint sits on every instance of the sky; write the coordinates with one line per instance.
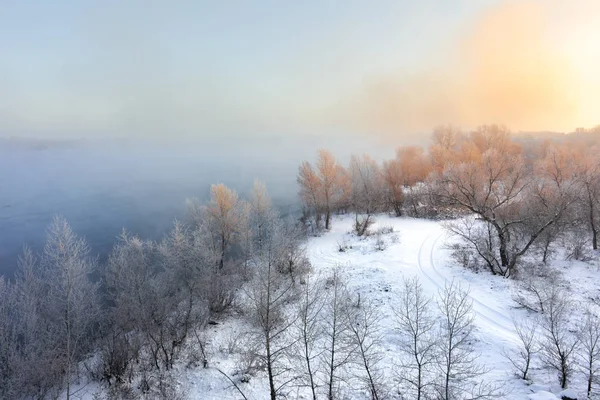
(192, 69)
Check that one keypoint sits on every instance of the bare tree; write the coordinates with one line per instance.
(269, 293)
(309, 328)
(515, 209)
(262, 216)
(444, 142)
(292, 258)
(588, 165)
(366, 336)
(392, 177)
(416, 324)
(310, 191)
(185, 272)
(527, 332)
(415, 167)
(366, 190)
(225, 214)
(457, 363)
(71, 305)
(559, 345)
(538, 288)
(329, 175)
(338, 344)
(589, 350)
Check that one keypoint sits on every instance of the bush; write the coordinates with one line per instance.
(577, 247)
(362, 224)
(379, 242)
(464, 256)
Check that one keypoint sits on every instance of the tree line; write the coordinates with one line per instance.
(525, 195)
(129, 327)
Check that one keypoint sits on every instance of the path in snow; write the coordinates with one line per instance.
(420, 254)
(493, 320)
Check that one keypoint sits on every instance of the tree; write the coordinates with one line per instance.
(416, 325)
(588, 169)
(527, 333)
(559, 345)
(10, 325)
(310, 190)
(392, 177)
(186, 272)
(338, 345)
(225, 214)
(329, 175)
(366, 190)
(309, 328)
(589, 354)
(515, 209)
(71, 303)
(262, 217)
(415, 167)
(444, 142)
(292, 258)
(268, 294)
(366, 336)
(457, 363)
(497, 137)
(32, 363)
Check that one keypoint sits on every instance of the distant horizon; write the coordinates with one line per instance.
(387, 70)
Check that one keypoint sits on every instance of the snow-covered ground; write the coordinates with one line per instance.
(415, 248)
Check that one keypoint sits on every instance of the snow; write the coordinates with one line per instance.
(542, 395)
(417, 247)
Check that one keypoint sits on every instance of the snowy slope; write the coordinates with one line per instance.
(416, 248)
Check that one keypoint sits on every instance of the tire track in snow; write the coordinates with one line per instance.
(507, 322)
(495, 319)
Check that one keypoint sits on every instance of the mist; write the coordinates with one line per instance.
(509, 65)
(192, 72)
(102, 186)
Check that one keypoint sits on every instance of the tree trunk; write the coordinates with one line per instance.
(590, 379)
(223, 246)
(593, 222)
(270, 371)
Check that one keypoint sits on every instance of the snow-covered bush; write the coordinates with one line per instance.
(538, 286)
(380, 244)
(578, 248)
(464, 256)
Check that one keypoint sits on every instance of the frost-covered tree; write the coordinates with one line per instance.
(367, 190)
(222, 218)
(268, 294)
(457, 364)
(366, 336)
(70, 303)
(513, 208)
(589, 350)
(527, 332)
(310, 191)
(309, 328)
(328, 170)
(416, 325)
(338, 346)
(262, 216)
(391, 171)
(559, 345)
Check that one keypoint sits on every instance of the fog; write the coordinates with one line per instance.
(103, 186)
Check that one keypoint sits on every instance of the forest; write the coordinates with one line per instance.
(512, 203)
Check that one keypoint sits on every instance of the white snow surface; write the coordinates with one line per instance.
(415, 248)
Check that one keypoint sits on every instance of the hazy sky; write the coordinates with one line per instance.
(192, 68)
